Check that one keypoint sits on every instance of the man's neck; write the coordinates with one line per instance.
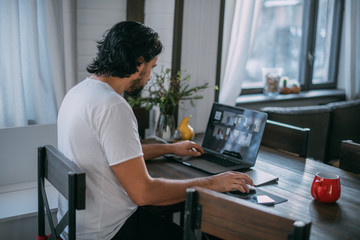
(118, 84)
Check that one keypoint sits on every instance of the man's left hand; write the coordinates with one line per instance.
(187, 148)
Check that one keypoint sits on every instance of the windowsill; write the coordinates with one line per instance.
(313, 97)
(20, 200)
(281, 97)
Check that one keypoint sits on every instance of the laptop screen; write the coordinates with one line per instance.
(235, 132)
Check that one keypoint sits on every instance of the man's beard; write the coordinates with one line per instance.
(135, 88)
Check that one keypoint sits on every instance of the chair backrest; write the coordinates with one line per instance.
(344, 124)
(286, 137)
(227, 217)
(350, 156)
(69, 180)
(316, 118)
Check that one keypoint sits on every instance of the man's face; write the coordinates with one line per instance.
(144, 72)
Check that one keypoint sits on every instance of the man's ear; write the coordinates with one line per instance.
(141, 59)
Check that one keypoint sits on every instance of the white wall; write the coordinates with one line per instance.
(159, 15)
(199, 54)
(93, 19)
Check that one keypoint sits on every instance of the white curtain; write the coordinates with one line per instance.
(37, 60)
(351, 50)
(242, 35)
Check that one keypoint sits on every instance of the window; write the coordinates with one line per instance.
(299, 36)
(277, 42)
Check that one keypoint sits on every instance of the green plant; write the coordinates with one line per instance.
(166, 92)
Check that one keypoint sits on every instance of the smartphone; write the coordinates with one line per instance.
(266, 200)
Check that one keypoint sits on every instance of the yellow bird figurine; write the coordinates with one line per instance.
(186, 131)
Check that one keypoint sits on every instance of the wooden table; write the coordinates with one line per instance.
(340, 220)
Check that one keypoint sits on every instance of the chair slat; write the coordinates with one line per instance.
(58, 167)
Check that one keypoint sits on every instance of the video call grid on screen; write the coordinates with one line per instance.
(235, 132)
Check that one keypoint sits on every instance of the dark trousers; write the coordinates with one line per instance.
(146, 225)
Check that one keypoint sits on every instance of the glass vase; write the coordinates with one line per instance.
(165, 127)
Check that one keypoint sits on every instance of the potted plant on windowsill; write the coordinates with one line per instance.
(167, 92)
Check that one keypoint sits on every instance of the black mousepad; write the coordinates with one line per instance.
(252, 196)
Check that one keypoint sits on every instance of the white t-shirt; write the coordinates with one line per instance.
(98, 129)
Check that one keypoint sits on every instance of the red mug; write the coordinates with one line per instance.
(326, 187)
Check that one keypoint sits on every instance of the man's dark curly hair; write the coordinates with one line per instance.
(119, 53)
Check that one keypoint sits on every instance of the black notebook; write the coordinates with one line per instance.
(253, 197)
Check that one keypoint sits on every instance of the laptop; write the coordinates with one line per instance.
(231, 141)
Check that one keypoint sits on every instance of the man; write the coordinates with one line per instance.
(98, 131)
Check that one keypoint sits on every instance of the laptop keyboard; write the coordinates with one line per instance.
(219, 160)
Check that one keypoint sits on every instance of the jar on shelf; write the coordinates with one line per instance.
(271, 78)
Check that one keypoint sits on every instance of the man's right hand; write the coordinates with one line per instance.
(229, 181)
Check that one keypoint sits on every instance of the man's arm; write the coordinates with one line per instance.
(145, 190)
(183, 148)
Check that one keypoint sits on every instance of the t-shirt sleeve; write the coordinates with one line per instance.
(118, 133)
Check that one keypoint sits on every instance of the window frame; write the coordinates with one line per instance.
(307, 58)
(310, 15)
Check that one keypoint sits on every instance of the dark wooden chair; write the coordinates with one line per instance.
(316, 118)
(350, 156)
(344, 124)
(286, 137)
(69, 180)
(227, 217)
